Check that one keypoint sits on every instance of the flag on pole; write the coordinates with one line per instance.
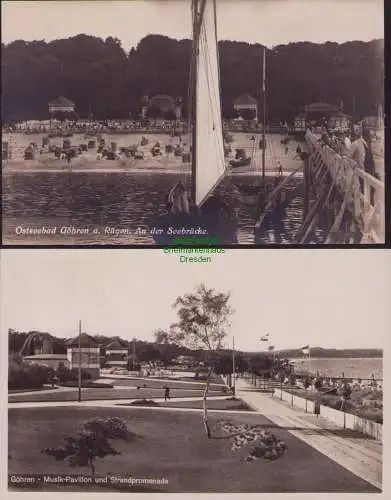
(305, 349)
(271, 348)
(264, 70)
(265, 338)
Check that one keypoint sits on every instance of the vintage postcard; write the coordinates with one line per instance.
(121, 379)
(193, 122)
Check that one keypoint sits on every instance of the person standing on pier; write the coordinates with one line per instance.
(361, 152)
(347, 143)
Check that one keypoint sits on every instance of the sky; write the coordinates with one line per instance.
(328, 298)
(269, 22)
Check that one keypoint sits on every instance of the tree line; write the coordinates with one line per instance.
(106, 81)
(145, 351)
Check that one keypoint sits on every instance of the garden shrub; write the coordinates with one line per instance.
(144, 402)
(26, 376)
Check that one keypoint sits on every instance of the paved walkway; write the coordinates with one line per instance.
(111, 402)
(361, 456)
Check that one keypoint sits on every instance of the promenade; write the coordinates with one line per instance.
(359, 455)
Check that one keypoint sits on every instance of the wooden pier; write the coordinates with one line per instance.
(355, 198)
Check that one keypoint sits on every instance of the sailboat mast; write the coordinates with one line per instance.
(264, 114)
(198, 13)
(193, 101)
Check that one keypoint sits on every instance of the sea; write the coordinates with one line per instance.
(343, 367)
(117, 207)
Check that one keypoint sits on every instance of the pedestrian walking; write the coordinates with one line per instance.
(166, 393)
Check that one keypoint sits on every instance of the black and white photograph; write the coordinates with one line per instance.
(193, 122)
(121, 379)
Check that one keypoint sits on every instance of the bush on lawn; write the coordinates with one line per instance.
(144, 402)
(92, 442)
(64, 374)
(25, 376)
(109, 427)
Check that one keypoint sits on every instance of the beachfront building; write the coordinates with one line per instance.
(162, 106)
(38, 349)
(300, 123)
(339, 121)
(319, 113)
(117, 354)
(61, 105)
(89, 354)
(48, 360)
(245, 104)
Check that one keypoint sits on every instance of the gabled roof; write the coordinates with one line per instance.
(116, 344)
(162, 101)
(320, 106)
(245, 99)
(340, 114)
(61, 101)
(85, 341)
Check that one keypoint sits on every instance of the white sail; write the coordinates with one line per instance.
(210, 162)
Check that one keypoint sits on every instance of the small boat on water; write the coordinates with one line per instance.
(240, 160)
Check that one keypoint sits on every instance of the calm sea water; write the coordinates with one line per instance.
(351, 367)
(107, 203)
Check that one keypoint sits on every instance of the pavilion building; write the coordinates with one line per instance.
(84, 352)
(61, 105)
(117, 354)
(248, 103)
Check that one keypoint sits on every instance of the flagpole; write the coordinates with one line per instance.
(309, 360)
(233, 364)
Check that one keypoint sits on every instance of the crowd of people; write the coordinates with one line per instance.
(336, 385)
(93, 127)
(356, 145)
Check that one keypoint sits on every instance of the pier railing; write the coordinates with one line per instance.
(366, 194)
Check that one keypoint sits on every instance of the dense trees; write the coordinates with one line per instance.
(24, 376)
(105, 81)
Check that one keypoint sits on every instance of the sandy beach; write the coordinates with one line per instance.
(165, 163)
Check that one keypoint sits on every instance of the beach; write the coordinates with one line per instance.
(166, 162)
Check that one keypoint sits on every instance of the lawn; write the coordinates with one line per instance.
(89, 394)
(214, 404)
(172, 445)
